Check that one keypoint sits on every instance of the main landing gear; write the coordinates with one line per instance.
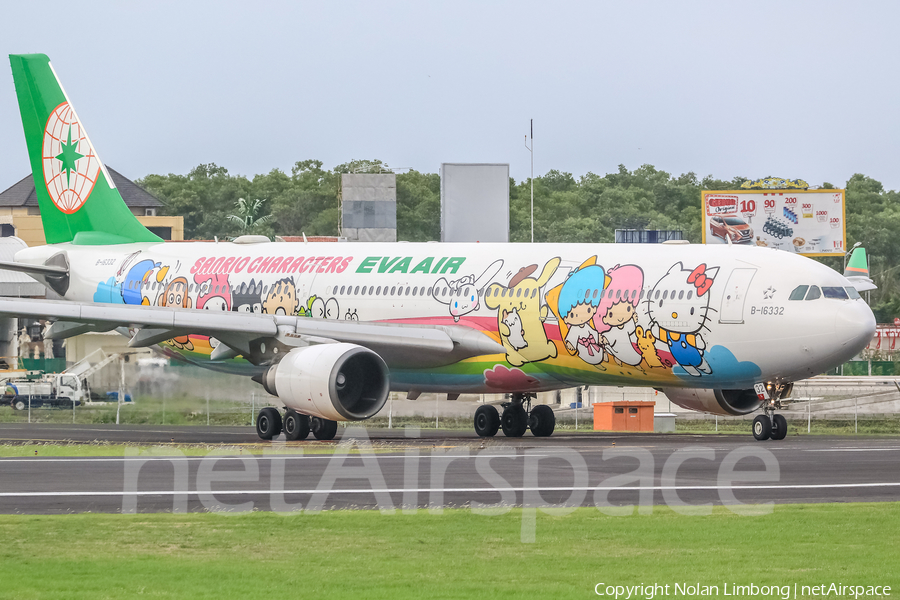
(296, 426)
(518, 416)
(770, 425)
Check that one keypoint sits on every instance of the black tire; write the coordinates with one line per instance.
(779, 427)
(542, 421)
(762, 427)
(295, 425)
(487, 420)
(268, 423)
(323, 429)
(18, 404)
(514, 421)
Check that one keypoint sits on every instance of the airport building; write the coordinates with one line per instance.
(20, 215)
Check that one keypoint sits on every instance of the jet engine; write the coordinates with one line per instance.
(339, 382)
(717, 402)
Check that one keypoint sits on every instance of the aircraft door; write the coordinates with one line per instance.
(734, 295)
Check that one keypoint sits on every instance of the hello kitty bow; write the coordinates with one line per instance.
(700, 280)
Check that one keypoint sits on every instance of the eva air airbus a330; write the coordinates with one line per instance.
(332, 328)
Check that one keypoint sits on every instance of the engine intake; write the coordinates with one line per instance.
(340, 382)
(717, 402)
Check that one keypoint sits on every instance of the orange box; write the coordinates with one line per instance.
(624, 416)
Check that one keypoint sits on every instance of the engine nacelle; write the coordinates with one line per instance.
(340, 382)
(717, 402)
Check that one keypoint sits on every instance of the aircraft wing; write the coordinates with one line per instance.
(241, 333)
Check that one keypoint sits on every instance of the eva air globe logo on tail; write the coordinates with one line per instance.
(70, 165)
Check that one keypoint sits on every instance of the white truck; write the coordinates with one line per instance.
(43, 390)
(55, 389)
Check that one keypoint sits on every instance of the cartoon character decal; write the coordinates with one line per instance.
(513, 323)
(137, 282)
(616, 318)
(464, 293)
(318, 308)
(247, 297)
(577, 300)
(282, 298)
(646, 341)
(678, 307)
(215, 293)
(523, 294)
(175, 294)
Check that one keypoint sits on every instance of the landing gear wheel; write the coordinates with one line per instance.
(487, 420)
(779, 427)
(296, 426)
(268, 423)
(762, 427)
(542, 421)
(514, 421)
(323, 429)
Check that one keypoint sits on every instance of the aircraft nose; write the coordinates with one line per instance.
(854, 326)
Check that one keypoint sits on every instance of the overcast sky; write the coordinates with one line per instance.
(789, 89)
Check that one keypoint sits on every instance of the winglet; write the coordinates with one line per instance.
(857, 270)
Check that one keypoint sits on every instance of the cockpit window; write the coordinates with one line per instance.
(836, 293)
(799, 292)
(813, 293)
(851, 291)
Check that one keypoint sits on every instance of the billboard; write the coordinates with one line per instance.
(808, 222)
(474, 202)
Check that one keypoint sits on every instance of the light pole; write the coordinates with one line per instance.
(531, 150)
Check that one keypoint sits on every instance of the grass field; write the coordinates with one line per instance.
(363, 554)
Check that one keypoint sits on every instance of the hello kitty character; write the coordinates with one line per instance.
(516, 334)
(678, 305)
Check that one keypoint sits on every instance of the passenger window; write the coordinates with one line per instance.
(814, 293)
(690, 293)
(587, 294)
(632, 411)
(835, 293)
(665, 294)
(342, 289)
(799, 292)
(619, 410)
(356, 291)
(415, 289)
(595, 293)
(422, 291)
(851, 291)
(407, 291)
(657, 295)
(534, 292)
(681, 294)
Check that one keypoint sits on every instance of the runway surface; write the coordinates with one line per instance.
(437, 469)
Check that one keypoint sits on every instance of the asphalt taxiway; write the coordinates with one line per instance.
(437, 468)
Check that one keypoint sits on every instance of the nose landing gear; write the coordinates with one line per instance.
(518, 416)
(770, 425)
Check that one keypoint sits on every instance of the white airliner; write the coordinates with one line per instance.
(332, 328)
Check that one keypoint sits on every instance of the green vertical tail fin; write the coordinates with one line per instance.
(78, 200)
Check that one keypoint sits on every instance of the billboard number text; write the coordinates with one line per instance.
(749, 206)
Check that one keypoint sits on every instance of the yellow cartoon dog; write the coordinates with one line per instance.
(522, 298)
